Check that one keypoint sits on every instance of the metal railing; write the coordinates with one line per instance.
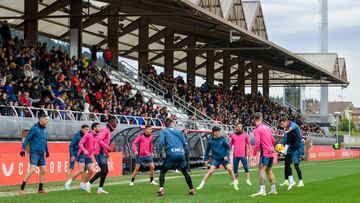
(64, 123)
(304, 118)
(131, 73)
(176, 100)
(69, 116)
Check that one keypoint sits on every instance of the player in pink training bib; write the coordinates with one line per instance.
(264, 142)
(240, 141)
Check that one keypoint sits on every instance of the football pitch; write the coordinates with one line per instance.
(325, 181)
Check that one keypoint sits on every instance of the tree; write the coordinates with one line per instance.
(344, 125)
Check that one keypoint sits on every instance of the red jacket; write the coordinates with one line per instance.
(108, 54)
(24, 101)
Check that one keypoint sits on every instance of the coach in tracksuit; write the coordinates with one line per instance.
(173, 141)
(38, 150)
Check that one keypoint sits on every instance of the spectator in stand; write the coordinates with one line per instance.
(25, 100)
(107, 56)
(5, 34)
(8, 88)
(94, 49)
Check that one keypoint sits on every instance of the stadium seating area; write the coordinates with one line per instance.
(35, 76)
(227, 107)
(32, 76)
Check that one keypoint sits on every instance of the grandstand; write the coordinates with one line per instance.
(225, 42)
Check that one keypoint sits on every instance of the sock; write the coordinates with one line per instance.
(100, 188)
(22, 187)
(151, 179)
(132, 179)
(235, 182)
(286, 148)
(273, 188)
(41, 186)
(69, 181)
(202, 183)
(262, 188)
(291, 179)
(161, 188)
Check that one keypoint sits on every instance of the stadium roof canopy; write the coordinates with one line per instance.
(207, 22)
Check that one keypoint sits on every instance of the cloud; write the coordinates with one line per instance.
(293, 16)
(295, 25)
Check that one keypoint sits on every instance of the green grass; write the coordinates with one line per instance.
(327, 181)
(354, 133)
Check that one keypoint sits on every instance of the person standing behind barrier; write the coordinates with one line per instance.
(37, 137)
(101, 153)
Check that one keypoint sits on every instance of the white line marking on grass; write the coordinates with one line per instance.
(123, 182)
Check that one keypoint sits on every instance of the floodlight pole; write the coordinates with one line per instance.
(337, 126)
(349, 119)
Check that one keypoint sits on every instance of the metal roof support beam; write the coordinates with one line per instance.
(217, 57)
(169, 54)
(143, 43)
(96, 17)
(265, 80)
(210, 67)
(180, 44)
(254, 79)
(227, 71)
(241, 76)
(48, 10)
(191, 64)
(156, 37)
(126, 30)
(231, 63)
(113, 36)
(199, 52)
(75, 28)
(31, 20)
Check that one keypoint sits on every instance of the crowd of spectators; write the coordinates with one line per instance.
(33, 75)
(226, 106)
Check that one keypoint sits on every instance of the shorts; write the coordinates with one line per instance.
(266, 161)
(172, 161)
(295, 156)
(146, 159)
(37, 159)
(218, 163)
(83, 159)
(101, 159)
(72, 163)
(244, 162)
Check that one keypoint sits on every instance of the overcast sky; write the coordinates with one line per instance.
(295, 25)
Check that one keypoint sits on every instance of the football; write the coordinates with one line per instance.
(279, 147)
